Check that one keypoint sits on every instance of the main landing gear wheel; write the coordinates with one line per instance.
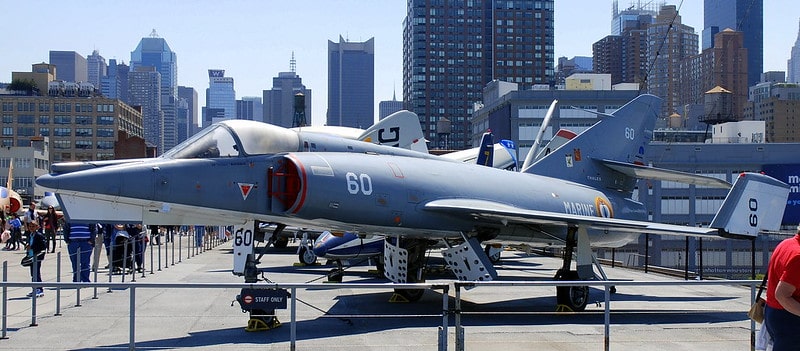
(281, 242)
(571, 298)
(306, 256)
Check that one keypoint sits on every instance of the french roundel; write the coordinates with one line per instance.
(603, 207)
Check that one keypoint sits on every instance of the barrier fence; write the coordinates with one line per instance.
(446, 311)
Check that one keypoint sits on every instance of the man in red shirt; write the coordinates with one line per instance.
(782, 313)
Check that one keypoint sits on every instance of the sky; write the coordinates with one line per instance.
(253, 40)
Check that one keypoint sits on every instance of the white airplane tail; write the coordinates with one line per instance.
(755, 203)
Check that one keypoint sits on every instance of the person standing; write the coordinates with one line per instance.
(31, 215)
(16, 232)
(138, 236)
(782, 311)
(50, 227)
(80, 242)
(199, 232)
(36, 247)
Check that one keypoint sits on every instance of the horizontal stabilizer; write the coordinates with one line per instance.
(645, 172)
(755, 203)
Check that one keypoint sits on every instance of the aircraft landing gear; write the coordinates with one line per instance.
(306, 256)
(405, 265)
(570, 298)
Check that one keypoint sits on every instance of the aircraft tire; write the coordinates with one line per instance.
(575, 298)
(306, 256)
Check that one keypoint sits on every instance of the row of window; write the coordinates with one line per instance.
(8, 106)
(58, 119)
(82, 144)
(59, 132)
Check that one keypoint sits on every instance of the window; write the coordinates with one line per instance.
(83, 144)
(62, 120)
(83, 132)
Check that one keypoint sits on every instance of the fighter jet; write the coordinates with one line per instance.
(10, 201)
(580, 195)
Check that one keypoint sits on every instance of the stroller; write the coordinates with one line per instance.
(122, 250)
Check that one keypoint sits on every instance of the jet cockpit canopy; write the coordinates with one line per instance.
(234, 138)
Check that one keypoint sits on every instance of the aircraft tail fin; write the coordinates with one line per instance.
(755, 203)
(621, 136)
(400, 129)
(486, 150)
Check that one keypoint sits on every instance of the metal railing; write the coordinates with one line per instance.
(606, 285)
(442, 331)
(132, 287)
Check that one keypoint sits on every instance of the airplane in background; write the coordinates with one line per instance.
(10, 201)
(579, 196)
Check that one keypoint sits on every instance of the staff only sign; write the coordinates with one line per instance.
(263, 299)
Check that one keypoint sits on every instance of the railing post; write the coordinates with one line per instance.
(293, 319)
(132, 319)
(445, 313)
(5, 302)
(34, 274)
(459, 329)
(607, 322)
(58, 280)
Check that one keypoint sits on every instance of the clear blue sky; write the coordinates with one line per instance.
(253, 40)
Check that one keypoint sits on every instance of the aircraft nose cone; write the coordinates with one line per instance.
(47, 181)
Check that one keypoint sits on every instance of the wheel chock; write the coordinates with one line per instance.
(255, 325)
(563, 308)
(397, 298)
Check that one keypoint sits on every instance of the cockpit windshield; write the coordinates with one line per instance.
(234, 138)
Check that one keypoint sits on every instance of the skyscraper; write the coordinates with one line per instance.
(220, 95)
(745, 16)
(451, 50)
(70, 66)
(388, 107)
(676, 42)
(187, 99)
(351, 83)
(114, 84)
(793, 74)
(96, 66)
(154, 52)
(145, 91)
(249, 108)
(279, 101)
(623, 54)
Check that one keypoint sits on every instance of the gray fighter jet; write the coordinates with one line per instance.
(580, 195)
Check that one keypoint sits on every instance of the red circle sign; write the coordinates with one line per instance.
(247, 299)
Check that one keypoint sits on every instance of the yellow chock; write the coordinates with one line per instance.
(397, 298)
(255, 324)
(563, 308)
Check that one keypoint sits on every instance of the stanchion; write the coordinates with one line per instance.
(58, 280)
(4, 333)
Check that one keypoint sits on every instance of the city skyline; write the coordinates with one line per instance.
(254, 41)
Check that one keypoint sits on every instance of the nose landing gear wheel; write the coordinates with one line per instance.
(307, 256)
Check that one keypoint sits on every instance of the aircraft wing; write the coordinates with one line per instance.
(645, 172)
(505, 214)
